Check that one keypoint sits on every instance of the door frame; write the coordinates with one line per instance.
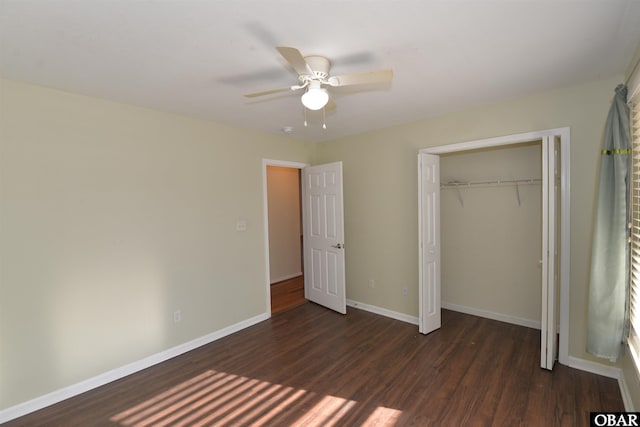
(565, 213)
(265, 215)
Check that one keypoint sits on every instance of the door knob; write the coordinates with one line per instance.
(338, 246)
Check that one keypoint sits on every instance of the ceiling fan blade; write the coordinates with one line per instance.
(268, 92)
(331, 105)
(295, 58)
(380, 76)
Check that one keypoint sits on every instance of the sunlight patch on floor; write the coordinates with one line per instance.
(327, 412)
(221, 399)
(383, 417)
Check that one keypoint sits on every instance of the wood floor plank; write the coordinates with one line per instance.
(287, 294)
(310, 366)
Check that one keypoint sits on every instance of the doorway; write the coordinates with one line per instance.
(284, 232)
(555, 235)
(322, 230)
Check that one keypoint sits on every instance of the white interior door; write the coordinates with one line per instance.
(550, 264)
(323, 231)
(429, 207)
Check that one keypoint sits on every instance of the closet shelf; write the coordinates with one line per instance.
(463, 184)
(457, 185)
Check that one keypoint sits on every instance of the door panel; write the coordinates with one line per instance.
(430, 316)
(324, 236)
(550, 265)
(332, 274)
(554, 250)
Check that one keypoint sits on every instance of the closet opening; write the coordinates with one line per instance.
(491, 232)
(494, 233)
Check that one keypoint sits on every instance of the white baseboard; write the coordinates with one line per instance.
(626, 395)
(115, 374)
(287, 277)
(492, 315)
(606, 371)
(594, 367)
(383, 312)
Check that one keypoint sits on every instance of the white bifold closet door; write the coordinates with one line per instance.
(430, 280)
(550, 249)
(429, 212)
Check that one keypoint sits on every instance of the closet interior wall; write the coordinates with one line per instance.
(491, 234)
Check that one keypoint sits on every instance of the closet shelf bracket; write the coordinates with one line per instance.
(460, 197)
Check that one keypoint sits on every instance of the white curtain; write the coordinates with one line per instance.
(608, 288)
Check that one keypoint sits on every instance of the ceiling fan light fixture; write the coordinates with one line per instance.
(314, 73)
(315, 98)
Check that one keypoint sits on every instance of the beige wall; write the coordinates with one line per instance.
(380, 190)
(491, 244)
(113, 217)
(285, 256)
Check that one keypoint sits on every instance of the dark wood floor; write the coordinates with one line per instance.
(287, 294)
(310, 366)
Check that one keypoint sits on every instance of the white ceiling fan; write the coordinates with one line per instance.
(313, 75)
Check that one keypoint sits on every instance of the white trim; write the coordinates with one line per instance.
(593, 367)
(383, 311)
(265, 219)
(115, 374)
(420, 250)
(497, 141)
(528, 323)
(565, 243)
(565, 211)
(626, 395)
(284, 164)
(287, 277)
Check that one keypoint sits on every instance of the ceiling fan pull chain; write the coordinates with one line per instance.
(324, 119)
(305, 116)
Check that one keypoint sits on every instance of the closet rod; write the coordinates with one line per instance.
(458, 184)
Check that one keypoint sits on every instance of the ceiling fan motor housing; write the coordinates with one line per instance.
(319, 65)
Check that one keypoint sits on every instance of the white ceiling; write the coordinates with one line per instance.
(198, 58)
